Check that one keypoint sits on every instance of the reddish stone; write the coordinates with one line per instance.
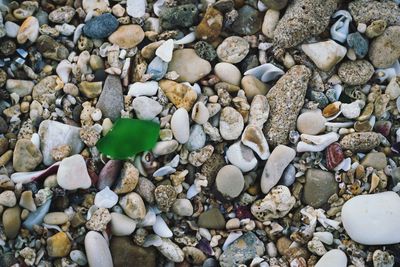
(334, 155)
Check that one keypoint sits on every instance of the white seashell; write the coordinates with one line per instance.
(316, 143)
(27, 177)
(338, 90)
(174, 162)
(192, 191)
(241, 156)
(161, 228)
(325, 237)
(345, 165)
(254, 138)
(388, 73)
(143, 89)
(340, 29)
(152, 240)
(157, 6)
(165, 170)
(90, 212)
(148, 220)
(165, 50)
(187, 39)
(106, 198)
(63, 70)
(78, 32)
(265, 72)
(35, 139)
(231, 238)
(261, 7)
(372, 121)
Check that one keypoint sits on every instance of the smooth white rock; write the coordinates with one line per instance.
(277, 162)
(311, 122)
(122, 225)
(106, 198)
(228, 72)
(63, 70)
(180, 125)
(78, 257)
(325, 237)
(200, 113)
(97, 250)
(11, 29)
(326, 54)
(136, 8)
(333, 258)
(161, 228)
(149, 88)
(165, 50)
(146, 108)
(72, 173)
(182, 207)
(241, 156)
(373, 219)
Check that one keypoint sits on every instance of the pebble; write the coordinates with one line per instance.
(26, 156)
(197, 138)
(242, 250)
(127, 36)
(248, 22)
(149, 88)
(44, 91)
(165, 50)
(319, 186)
(128, 179)
(356, 72)
(393, 89)
(334, 156)
(334, 258)
(178, 16)
(286, 99)
(146, 108)
(241, 156)
(20, 87)
(136, 8)
(212, 219)
(161, 229)
(182, 207)
(358, 43)
(376, 160)
(253, 86)
(254, 138)
(182, 60)
(275, 4)
(62, 14)
(51, 49)
(7, 198)
(58, 245)
(170, 250)
(271, 19)
(210, 26)
(29, 30)
(200, 113)
(351, 111)
(229, 181)
(26, 201)
(122, 225)
(277, 162)
(97, 250)
(180, 125)
(233, 49)
(101, 26)
(11, 29)
(227, 72)
(376, 28)
(367, 11)
(382, 210)
(99, 220)
(75, 164)
(105, 198)
(90, 89)
(36, 218)
(123, 251)
(78, 257)
(231, 123)
(133, 205)
(311, 122)
(111, 100)
(325, 55)
(165, 147)
(11, 222)
(385, 49)
(259, 111)
(57, 218)
(179, 94)
(157, 68)
(360, 142)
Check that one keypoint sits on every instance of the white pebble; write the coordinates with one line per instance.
(165, 50)
(106, 198)
(180, 125)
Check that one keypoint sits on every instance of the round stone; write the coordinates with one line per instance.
(58, 245)
(227, 72)
(127, 36)
(180, 125)
(97, 250)
(233, 49)
(356, 72)
(253, 86)
(182, 207)
(311, 122)
(56, 218)
(385, 49)
(231, 124)
(229, 181)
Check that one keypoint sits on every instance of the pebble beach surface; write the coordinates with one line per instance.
(259, 133)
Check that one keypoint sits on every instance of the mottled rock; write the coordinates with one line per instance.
(319, 186)
(385, 49)
(51, 49)
(180, 95)
(210, 26)
(360, 142)
(233, 49)
(101, 26)
(367, 11)
(231, 124)
(133, 205)
(178, 16)
(248, 21)
(26, 156)
(111, 100)
(356, 72)
(376, 160)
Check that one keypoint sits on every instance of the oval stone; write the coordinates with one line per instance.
(334, 258)
(97, 250)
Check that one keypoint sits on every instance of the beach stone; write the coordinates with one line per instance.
(227, 72)
(358, 43)
(181, 63)
(242, 250)
(376, 160)
(182, 207)
(171, 250)
(97, 250)
(146, 108)
(248, 21)
(197, 138)
(133, 205)
(271, 19)
(210, 26)
(367, 11)
(178, 16)
(259, 111)
(180, 125)
(123, 250)
(165, 147)
(356, 72)
(360, 142)
(241, 156)
(211, 167)
(57, 218)
(311, 122)
(212, 219)
(26, 201)
(302, 20)
(254, 138)
(44, 91)
(73, 165)
(334, 258)
(29, 30)
(233, 49)
(122, 225)
(319, 186)
(381, 210)
(101, 26)
(111, 100)
(7, 198)
(286, 99)
(136, 8)
(127, 36)
(229, 181)
(58, 245)
(128, 179)
(99, 220)
(26, 156)
(95, 5)
(62, 14)
(200, 113)
(385, 49)
(12, 222)
(325, 55)
(165, 196)
(20, 87)
(90, 89)
(51, 49)
(352, 110)
(376, 28)
(205, 50)
(54, 134)
(157, 68)
(145, 188)
(277, 162)
(231, 123)
(253, 86)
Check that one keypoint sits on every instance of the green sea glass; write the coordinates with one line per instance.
(128, 137)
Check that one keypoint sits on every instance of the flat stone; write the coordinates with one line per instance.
(97, 250)
(319, 186)
(229, 181)
(356, 72)
(385, 49)
(54, 134)
(171, 250)
(44, 91)
(325, 55)
(381, 211)
(101, 26)
(271, 19)
(26, 156)
(73, 165)
(311, 122)
(376, 160)
(58, 245)
(334, 258)
(179, 94)
(212, 219)
(111, 100)
(136, 8)
(127, 36)
(51, 49)
(228, 73)
(123, 251)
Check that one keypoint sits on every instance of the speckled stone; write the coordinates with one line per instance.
(319, 186)
(248, 22)
(101, 26)
(111, 100)
(385, 49)
(286, 99)
(178, 17)
(360, 142)
(356, 72)
(367, 11)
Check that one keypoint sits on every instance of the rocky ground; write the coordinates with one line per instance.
(200, 133)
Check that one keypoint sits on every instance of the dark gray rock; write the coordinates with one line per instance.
(111, 100)
(101, 26)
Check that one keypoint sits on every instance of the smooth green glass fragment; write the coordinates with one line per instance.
(128, 137)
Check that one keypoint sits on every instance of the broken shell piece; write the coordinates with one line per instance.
(152, 240)
(325, 237)
(231, 238)
(161, 228)
(345, 165)
(27, 177)
(187, 39)
(340, 29)
(388, 73)
(63, 70)
(254, 138)
(265, 72)
(316, 143)
(165, 50)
